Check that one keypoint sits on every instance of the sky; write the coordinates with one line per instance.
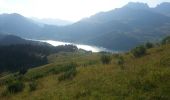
(71, 10)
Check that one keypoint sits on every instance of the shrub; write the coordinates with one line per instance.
(35, 76)
(68, 67)
(69, 73)
(32, 86)
(149, 45)
(60, 69)
(139, 51)
(15, 86)
(106, 59)
(23, 71)
(166, 40)
(12, 77)
(120, 61)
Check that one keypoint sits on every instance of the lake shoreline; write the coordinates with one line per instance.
(79, 46)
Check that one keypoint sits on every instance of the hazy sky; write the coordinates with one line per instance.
(72, 10)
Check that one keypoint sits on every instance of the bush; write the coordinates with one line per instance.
(15, 86)
(60, 69)
(35, 76)
(106, 59)
(12, 77)
(149, 45)
(120, 60)
(166, 40)
(23, 71)
(69, 73)
(32, 86)
(139, 51)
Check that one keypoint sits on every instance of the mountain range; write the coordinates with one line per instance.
(118, 29)
(49, 21)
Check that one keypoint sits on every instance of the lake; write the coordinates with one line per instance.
(79, 46)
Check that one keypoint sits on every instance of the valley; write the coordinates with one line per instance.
(120, 54)
(129, 26)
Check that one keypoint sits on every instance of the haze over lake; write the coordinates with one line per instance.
(79, 46)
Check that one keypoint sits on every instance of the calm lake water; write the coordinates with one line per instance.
(80, 46)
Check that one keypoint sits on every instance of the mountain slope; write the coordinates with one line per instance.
(18, 25)
(7, 39)
(119, 29)
(49, 21)
(11, 39)
(146, 77)
(115, 28)
(130, 23)
(163, 8)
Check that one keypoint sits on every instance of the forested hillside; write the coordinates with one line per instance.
(17, 53)
(17, 57)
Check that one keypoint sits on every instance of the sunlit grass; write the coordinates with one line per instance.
(143, 78)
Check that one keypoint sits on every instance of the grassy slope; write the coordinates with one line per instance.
(145, 78)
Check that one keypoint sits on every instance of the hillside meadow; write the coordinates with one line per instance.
(83, 76)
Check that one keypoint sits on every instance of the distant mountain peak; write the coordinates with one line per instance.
(137, 5)
(50, 21)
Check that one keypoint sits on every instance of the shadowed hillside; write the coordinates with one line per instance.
(94, 76)
(17, 53)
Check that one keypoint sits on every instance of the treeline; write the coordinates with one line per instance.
(24, 56)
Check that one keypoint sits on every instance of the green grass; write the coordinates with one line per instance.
(143, 78)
